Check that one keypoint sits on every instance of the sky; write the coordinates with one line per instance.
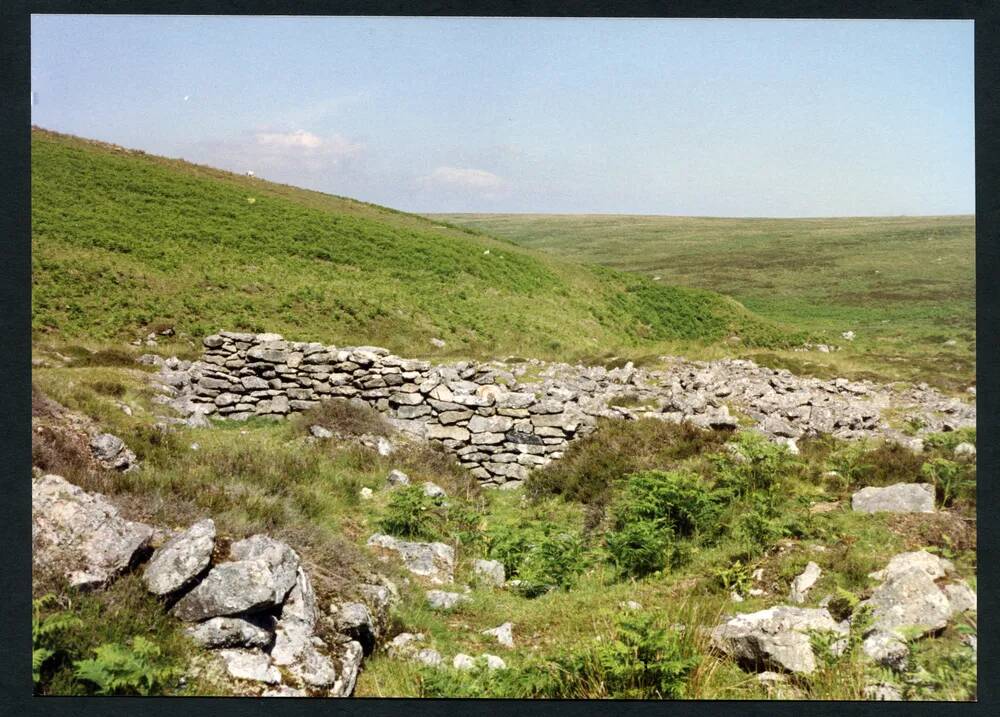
(738, 118)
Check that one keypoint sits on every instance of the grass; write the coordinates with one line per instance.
(904, 285)
(124, 243)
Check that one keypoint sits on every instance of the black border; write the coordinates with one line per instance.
(15, 277)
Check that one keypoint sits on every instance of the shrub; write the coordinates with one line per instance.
(758, 466)
(541, 555)
(411, 514)
(842, 604)
(349, 418)
(641, 547)
(759, 526)
(736, 578)
(682, 499)
(119, 669)
(950, 479)
(654, 509)
(644, 660)
(851, 461)
(595, 464)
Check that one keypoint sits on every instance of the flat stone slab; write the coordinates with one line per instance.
(898, 498)
(178, 562)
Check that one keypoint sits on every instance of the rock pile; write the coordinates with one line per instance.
(501, 425)
(256, 606)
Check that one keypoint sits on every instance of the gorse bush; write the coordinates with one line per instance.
(116, 669)
(755, 464)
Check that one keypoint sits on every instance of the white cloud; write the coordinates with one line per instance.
(476, 180)
(301, 140)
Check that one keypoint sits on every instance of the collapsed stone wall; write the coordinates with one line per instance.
(502, 420)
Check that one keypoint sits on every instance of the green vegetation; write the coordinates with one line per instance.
(672, 517)
(722, 517)
(124, 243)
(904, 285)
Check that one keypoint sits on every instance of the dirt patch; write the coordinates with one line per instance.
(943, 530)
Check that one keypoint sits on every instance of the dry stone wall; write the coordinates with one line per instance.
(497, 433)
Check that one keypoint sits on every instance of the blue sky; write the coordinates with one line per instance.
(680, 117)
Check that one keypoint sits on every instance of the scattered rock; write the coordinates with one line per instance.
(111, 452)
(433, 490)
(898, 498)
(252, 665)
(776, 638)
(429, 657)
(178, 563)
(397, 478)
(883, 692)
(437, 343)
(282, 560)
(802, 584)
(366, 493)
(911, 597)
(234, 588)
(461, 661)
(824, 507)
(220, 632)
(82, 533)
(320, 432)
(441, 600)
(490, 572)
(435, 561)
(965, 450)
(504, 634)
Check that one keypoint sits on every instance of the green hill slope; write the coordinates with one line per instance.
(905, 285)
(123, 240)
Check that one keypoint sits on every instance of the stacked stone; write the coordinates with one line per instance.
(497, 433)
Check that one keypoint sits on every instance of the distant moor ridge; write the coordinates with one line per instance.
(501, 423)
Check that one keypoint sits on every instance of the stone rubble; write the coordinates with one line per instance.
(434, 561)
(501, 425)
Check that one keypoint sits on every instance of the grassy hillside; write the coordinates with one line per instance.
(905, 285)
(123, 241)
